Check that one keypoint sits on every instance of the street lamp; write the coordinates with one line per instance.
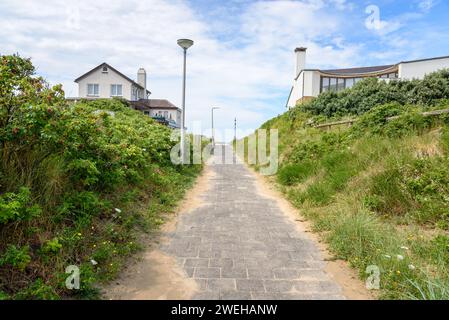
(184, 44)
(213, 130)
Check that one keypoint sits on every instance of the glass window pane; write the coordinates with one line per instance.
(119, 90)
(324, 84)
(340, 84)
(349, 83)
(333, 84)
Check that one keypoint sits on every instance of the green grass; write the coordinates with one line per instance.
(378, 193)
(78, 183)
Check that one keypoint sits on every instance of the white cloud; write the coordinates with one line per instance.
(243, 64)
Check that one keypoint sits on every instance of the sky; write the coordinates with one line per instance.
(242, 60)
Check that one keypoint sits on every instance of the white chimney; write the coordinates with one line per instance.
(142, 80)
(300, 60)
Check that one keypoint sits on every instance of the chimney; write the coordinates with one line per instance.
(300, 60)
(142, 80)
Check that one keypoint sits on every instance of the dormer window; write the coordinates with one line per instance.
(105, 69)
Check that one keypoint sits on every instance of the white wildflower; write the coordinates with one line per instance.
(387, 256)
(405, 248)
(93, 262)
(118, 210)
(400, 257)
(411, 267)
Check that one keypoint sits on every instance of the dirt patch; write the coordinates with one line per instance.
(353, 288)
(153, 275)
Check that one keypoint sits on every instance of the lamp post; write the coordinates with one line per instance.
(213, 130)
(184, 44)
(235, 141)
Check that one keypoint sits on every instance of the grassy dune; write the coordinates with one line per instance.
(377, 192)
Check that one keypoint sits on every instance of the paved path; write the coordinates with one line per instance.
(240, 245)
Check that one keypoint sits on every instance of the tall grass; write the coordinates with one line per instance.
(379, 192)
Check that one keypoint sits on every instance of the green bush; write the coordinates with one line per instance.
(65, 171)
(373, 92)
(15, 257)
(18, 207)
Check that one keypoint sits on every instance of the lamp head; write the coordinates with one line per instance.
(185, 43)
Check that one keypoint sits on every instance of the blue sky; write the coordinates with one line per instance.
(242, 59)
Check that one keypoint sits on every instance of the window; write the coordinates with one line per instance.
(105, 69)
(166, 114)
(350, 83)
(93, 89)
(116, 90)
(333, 84)
(324, 84)
(340, 84)
(147, 113)
(393, 76)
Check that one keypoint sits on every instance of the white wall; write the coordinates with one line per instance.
(105, 80)
(417, 70)
(307, 85)
(312, 81)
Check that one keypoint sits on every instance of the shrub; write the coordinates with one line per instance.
(17, 257)
(70, 165)
(17, 207)
(373, 92)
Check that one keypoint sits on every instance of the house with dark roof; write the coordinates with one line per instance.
(309, 83)
(104, 81)
(161, 110)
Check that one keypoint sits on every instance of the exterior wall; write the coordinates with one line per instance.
(137, 93)
(417, 70)
(312, 84)
(104, 80)
(296, 93)
(305, 87)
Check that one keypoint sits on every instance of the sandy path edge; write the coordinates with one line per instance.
(152, 274)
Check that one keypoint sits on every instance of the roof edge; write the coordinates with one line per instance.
(113, 69)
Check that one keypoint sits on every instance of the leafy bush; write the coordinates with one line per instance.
(64, 171)
(373, 92)
(16, 257)
(18, 207)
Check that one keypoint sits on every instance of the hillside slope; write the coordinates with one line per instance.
(77, 185)
(377, 192)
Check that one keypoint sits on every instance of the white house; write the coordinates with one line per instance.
(104, 81)
(309, 83)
